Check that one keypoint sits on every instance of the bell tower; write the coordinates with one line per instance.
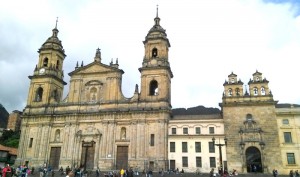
(47, 80)
(156, 73)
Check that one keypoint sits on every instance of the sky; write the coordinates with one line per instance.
(209, 40)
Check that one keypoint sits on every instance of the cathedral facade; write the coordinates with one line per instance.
(95, 125)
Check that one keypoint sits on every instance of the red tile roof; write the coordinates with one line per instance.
(12, 151)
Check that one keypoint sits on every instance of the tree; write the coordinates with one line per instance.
(10, 138)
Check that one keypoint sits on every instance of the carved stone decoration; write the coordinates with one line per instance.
(88, 134)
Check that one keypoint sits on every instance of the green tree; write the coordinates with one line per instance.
(10, 138)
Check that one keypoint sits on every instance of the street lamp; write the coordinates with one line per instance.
(220, 151)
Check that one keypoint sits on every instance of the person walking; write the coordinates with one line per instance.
(122, 172)
(211, 173)
(291, 173)
(275, 173)
(297, 173)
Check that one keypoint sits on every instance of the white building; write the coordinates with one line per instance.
(190, 140)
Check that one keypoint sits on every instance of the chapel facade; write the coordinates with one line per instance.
(96, 125)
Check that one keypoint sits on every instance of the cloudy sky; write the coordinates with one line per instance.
(209, 40)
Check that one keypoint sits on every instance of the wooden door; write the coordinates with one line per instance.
(54, 157)
(122, 157)
(87, 155)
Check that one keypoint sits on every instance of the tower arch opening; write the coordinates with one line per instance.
(39, 94)
(154, 53)
(153, 90)
(45, 62)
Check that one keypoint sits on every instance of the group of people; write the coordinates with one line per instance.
(212, 173)
(20, 171)
(294, 173)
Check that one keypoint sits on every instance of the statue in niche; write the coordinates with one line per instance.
(57, 136)
(123, 133)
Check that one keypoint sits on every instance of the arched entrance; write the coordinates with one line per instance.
(253, 160)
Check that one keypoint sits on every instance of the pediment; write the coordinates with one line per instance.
(95, 67)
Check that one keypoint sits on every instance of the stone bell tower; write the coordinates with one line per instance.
(47, 80)
(156, 73)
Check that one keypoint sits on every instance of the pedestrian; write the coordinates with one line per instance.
(297, 173)
(122, 172)
(291, 173)
(254, 168)
(32, 170)
(275, 172)
(150, 173)
(98, 172)
(211, 173)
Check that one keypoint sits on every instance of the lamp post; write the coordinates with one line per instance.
(220, 151)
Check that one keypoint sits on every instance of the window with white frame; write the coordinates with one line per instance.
(211, 130)
(185, 162)
(198, 130)
(184, 147)
(185, 130)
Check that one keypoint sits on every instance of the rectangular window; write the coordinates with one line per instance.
(291, 158)
(173, 131)
(197, 146)
(198, 130)
(198, 162)
(212, 162)
(172, 146)
(211, 147)
(184, 147)
(287, 137)
(152, 140)
(285, 121)
(211, 130)
(185, 162)
(185, 131)
(30, 142)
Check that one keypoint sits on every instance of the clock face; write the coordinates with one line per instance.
(42, 71)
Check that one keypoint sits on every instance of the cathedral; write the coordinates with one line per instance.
(97, 126)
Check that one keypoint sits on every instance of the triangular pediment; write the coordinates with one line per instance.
(95, 67)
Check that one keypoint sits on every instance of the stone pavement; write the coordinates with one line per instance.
(155, 174)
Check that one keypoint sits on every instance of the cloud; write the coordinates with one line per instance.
(209, 40)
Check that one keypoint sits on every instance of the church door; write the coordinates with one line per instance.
(54, 157)
(87, 155)
(122, 157)
(253, 157)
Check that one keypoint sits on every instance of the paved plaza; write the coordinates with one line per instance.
(155, 174)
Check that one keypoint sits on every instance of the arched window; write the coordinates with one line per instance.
(230, 92)
(255, 91)
(154, 52)
(93, 94)
(123, 133)
(39, 94)
(45, 62)
(57, 135)
(57, 64)
(55, 95)
(237, 91)
(153, 88)
(263, 91)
